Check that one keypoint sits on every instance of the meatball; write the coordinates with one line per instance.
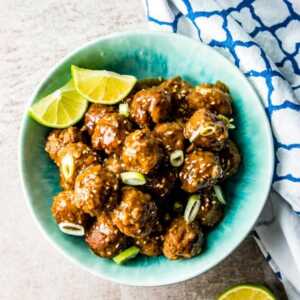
(150, 245)
(150, 106)
(179, 90)
(104, 238)
(205, 130)
(170, 135)
(64, 210)
(182, 240)
(71, 160)
(136, 215)
(110, 132)
(94, 114)
(177, 87)
(201, 169)
(161, 182)
(214, 97)
(230, 159)
(141, 151)
(95, 189)
(211, 210)
(59, 138)
(114, 164)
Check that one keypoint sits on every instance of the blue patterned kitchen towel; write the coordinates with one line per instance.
(262, 38)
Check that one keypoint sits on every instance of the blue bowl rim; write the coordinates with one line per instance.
(21, 143)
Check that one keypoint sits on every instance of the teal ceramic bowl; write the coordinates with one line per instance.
(149, 54)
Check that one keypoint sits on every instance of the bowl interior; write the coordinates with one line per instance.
(146, 54)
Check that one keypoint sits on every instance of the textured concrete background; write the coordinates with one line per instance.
(34, 35)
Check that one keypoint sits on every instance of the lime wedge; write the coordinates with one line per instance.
(100, 86)
(247, 292)
(63, 108)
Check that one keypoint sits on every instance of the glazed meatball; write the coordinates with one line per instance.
(170, 135)
(64, 210)
(94, 114)
(71, 160)
(161, 182)
(182, 240)
(211, 210)
(150, 106)
(177, 87)
(110, 132)
(230, 159)
(204, 130)
(136, 215)
(150, 245)
(201, 169)
(59, 138)
(141, 151)
(214, 97)
(114, 164)
(142, 85)
(95, 189)
(179, 90)
(104, 238)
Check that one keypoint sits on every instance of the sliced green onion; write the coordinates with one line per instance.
(228, 122)
(231, 126)
(223, 118)
(133, 178)
(124, 109)
(126, 255)
(176, 158)
(203, 131)
(192, 208)
(67, 166)
(177, 206)
(71, 228)
(219, 194)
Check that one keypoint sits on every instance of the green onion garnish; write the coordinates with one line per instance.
(219, 194)
(203, 131)
(71, 229)
(192, 208)
(67, 166)
(176, 158)
(231, 125)
(126, 255)
(124, 109)
(228, 122)
(133, 178)
(177, 206)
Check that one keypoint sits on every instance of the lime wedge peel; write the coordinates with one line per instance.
(247, 292)
(100, 86)
(62, 108)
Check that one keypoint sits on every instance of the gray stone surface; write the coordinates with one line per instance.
(34, 35)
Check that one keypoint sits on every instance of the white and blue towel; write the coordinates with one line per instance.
(262, 38)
